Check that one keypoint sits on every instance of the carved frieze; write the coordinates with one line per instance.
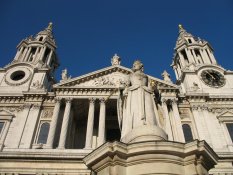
(115, 79)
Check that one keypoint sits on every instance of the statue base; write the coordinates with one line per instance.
(152, 157)
(144, 133)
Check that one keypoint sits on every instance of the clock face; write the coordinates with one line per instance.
(213, 78)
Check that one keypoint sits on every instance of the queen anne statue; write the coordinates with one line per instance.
(136, 109)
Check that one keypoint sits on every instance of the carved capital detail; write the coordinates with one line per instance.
(36, 106)
(92, 100)
(68, 100)
(102, 100)
(57, 100)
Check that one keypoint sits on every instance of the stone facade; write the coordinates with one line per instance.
(48, 127)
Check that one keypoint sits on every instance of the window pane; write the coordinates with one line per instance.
(230, 130)
(1, 126)
(44, 130)
(187, 133)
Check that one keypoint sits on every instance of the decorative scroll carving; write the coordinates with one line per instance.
(37, 85)
(47, 114)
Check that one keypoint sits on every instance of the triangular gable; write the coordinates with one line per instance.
(6, 115)
(226, 114)
(109, 76)
(4, 112)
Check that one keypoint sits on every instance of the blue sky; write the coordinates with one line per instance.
(88, 33)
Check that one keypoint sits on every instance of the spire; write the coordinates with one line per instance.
(50, 27)
(47, 34)
(183, 36)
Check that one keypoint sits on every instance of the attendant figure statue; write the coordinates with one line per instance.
(136, 105)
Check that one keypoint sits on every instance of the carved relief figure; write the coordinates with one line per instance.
(136, 104)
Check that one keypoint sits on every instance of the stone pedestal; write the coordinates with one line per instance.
(144, 133)
(152, 157)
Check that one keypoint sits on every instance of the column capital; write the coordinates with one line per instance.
(174, 101)
(92, 100)
(164, 100)
(102, 100)
(68, 100)
(57, 99)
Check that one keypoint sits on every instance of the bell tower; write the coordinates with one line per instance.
(34, 64)
(38, 50)
(196, 68)
(191, 51)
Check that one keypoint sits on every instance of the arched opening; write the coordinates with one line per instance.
(43, 135)
(41, 38)
(188, 136)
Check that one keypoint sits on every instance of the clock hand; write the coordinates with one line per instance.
(211, 75)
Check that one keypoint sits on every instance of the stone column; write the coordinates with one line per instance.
(182, 62)
(35, 56)
(42, 52)
(90, 123)
(50, 57)
(19, 52)
(65, 123)
(101, 133)
(180, 134)
(167, 120)
(189, 55)
(28, 53)
(53, 124)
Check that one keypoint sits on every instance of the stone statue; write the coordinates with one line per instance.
(136, 105)
(166, 76)
(116, 60)
(64, 74)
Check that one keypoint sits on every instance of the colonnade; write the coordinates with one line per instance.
(66, 119)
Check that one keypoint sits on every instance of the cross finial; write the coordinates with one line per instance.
(50, 26)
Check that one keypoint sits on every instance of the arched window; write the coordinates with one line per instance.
(41, 38)
(43, 135)
(187, 133)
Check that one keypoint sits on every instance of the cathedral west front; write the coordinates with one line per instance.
(116, 120)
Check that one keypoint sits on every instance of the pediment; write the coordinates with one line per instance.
(113, 76)
(4, 112)
(226, 114)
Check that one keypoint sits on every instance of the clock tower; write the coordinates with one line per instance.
(33, 66)
(196, 68)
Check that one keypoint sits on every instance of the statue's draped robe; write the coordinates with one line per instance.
(136, 106)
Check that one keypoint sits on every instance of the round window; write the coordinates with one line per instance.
(17, 75)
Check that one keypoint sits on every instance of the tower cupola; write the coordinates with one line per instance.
(38, 50)
(191, 51)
